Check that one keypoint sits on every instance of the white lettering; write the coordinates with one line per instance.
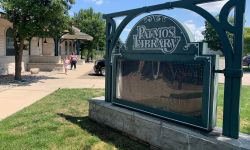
(163, 38)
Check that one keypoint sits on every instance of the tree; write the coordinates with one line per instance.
(246, 41)
(212, 38)
(32, 18)
(91, 23)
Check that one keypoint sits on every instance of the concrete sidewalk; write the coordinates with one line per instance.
(17, 98)
(245, 78)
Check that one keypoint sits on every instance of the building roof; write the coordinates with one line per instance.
(78, 35)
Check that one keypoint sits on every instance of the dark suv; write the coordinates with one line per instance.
(99, 67)
(246, 61)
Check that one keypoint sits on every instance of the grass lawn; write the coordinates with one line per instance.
(244, 110)
(246, 69)
(59, 121)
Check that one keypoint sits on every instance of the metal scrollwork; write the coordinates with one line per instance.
(233, 53)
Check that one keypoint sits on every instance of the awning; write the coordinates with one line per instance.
(77, 36)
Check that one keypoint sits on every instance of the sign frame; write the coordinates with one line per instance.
(233, 53)
(207, 122)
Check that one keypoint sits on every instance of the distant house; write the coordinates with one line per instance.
(41, 51)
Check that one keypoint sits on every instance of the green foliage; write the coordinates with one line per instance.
(212, 38)
(91, 23)
(246, 69)
(37, 17)
(246, 41)
(31, 18)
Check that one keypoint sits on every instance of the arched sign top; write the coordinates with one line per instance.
(159, 32)
(233, 52)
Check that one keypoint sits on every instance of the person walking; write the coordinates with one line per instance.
(73, 60)
(65, 64)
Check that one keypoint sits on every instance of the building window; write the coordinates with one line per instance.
(10, 49)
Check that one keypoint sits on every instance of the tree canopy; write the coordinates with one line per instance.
(246, 41)
(91, 23)
(30, 18)
(37, 17)
(212, 38)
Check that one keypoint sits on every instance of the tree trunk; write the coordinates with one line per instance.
(18, 56)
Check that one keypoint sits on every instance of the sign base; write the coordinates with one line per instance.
(161, 133)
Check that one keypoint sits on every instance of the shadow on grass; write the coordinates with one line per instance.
(105, 133)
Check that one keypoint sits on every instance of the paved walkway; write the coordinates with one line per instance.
(245, 79)
(16, 98)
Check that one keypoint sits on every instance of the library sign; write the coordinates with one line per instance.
(158, 32)
(162, 72)
(163, 38)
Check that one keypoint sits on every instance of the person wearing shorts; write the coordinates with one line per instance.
(73, 60)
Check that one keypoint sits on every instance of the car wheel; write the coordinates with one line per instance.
(103, 71)
(248, 65)
(96, 71)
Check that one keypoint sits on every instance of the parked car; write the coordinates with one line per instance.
(99, 67)
(246, 61)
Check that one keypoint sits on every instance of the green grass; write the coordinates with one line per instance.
(246, 69)
(60, 121)
(244, 108)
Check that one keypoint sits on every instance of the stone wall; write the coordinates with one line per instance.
(36, 46)
(62, 51)
(45, 59)
(49, 47)
(4, 25)
(7, 64)
(160, 133)
(65, 51)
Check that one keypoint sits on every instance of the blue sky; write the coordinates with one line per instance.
(193, 21)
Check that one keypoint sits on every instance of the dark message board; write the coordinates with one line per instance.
(162, 72)
(161, 39)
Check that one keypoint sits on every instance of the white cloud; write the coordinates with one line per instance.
(214, 7)
(71, 13)
(97, 2)
(197, 31)
(118, 21)
(127, 29)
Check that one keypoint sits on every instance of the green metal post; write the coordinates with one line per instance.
(108, 63)
(233, 76)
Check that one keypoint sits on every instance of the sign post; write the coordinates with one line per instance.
(162, 72)
(165, 41)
